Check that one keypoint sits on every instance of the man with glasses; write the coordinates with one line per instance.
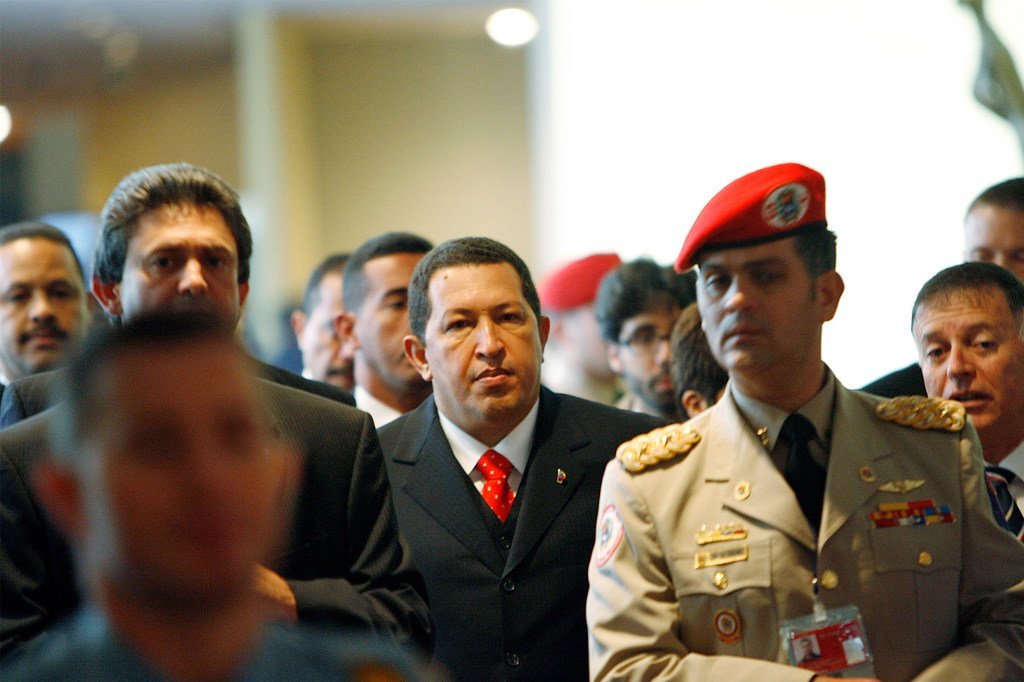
(637, 305)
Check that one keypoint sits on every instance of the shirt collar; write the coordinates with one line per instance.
(1015, 461)
(381, 412)
(767, 419)
(515, 446)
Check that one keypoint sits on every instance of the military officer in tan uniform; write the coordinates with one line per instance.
(716, 533)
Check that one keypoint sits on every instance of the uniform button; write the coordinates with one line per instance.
(720, 580)
(829, 580)
(512, 659)
(505, 541)
(508, 585)
(924, 558)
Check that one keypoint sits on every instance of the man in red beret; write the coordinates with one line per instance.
(574, 359)
(794, 508)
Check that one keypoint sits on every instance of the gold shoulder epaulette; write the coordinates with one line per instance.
(923, 413)
(660, 445)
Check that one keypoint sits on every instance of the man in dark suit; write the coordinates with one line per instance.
(496, 479)
(174, 238)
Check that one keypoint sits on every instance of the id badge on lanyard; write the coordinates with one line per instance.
(828, 641)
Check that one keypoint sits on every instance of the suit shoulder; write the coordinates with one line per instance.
(609, 415)
(918, 412)
(299, 403)
(282, 376)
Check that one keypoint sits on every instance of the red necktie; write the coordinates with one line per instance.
(498, 496)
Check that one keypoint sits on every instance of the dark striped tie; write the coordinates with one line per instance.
(1008, 514)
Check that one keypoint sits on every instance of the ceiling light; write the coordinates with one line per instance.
(512, 27)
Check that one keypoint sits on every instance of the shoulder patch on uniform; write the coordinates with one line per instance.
(923, 413)
(659, 445)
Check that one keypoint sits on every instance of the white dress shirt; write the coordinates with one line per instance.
(515, 447)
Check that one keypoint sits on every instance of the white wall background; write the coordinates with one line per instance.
(643, 109)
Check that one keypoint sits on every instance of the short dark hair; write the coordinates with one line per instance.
(353, 287)
(636, 287)
(817, 249)
(333, 263)
(973, 277)
(31, 229)
(693, 365)
(153, 187)
(1007, 194)
(457, 253)
(76, 397)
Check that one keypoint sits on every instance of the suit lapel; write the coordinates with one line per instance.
(435, 483)
(856, 446)
(545, 492)
(737, 457)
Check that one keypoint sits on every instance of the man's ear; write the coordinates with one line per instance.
(544, 327)
(345, 329)
(108, 295)
(298, 321)
(243, 293)
(693, 402)
(614, 361)
(830, 287)
(417, 354)
(60, 491)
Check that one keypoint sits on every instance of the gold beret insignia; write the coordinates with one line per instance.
(660, 445)
(923, 413)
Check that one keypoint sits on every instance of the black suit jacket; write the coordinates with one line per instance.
(906, 381)
(32, 394)
(344, 559)
(522, 616)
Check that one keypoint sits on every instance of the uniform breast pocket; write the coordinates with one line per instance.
(720, 587)
(921, 566)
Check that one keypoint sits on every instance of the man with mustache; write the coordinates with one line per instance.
(44, 309)
(495, 477)
(968, 323)
(794, 507)
(637, 306)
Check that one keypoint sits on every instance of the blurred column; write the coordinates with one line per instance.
(277, 162)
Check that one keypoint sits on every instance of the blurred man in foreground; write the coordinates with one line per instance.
(173, 490)
(44, 307)
(174, 238)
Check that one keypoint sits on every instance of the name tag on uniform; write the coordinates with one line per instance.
(721, 557)
(831, 642)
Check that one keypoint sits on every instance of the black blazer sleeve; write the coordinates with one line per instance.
(37, 582)
(346, 562)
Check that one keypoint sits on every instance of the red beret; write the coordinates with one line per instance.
(765, 205)
(575, 284)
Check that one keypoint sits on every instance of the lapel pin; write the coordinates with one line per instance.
(560, 477)
(742, 491)
(866, 474)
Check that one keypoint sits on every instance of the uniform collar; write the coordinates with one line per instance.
(766, 420)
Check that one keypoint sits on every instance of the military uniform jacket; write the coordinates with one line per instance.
(935, 599)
